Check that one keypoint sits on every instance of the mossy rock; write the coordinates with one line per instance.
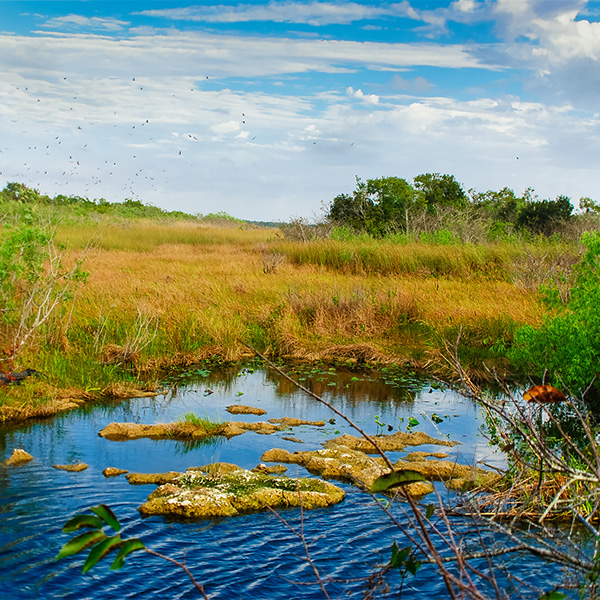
(226, 490)
(347, 464)
(119, 432)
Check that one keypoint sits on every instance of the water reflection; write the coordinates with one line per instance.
(252, 556)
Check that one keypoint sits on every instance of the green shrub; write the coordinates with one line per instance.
(567, 345)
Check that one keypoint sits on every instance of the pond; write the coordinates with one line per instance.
(249, 556)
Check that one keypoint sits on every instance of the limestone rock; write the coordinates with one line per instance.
(113, 472)
(274, 470)
(347, 464)
(291, 422)
(155, 478)
(18, 457)
(388, 443)
(119, 432)
(241, 409)
(223, 491)
(338, 462)
(74, 467)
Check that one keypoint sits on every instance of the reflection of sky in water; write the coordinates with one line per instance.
(251, 556)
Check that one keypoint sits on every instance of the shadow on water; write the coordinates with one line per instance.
(250, 556)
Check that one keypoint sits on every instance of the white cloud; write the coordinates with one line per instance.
(81, 22)
(359, 95)
(311, 13)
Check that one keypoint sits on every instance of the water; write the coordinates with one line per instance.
(250, 556)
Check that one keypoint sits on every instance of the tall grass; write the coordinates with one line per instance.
(145, 236)
(158, 296)
(386, 257)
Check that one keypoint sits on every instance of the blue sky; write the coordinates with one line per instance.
(269, 109)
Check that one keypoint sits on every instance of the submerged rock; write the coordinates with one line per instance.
(74, 468)
(18, 457)
(241, 409)
(222, 489)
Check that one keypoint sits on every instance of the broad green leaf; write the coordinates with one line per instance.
(436, 418)
(429, 511)
(127, 548)
(412, 566)
(107, 515)
(81, 542)
(399, 556)
(100, 551)
(553, 596)
(394, 479)
(81, 521)
(412, 422)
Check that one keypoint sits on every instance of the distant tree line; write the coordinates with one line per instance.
(81, 206)
(436, 202)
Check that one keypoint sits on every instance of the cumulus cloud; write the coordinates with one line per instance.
(359, 95)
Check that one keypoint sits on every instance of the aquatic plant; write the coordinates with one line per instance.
(205, 422)
(100, 544)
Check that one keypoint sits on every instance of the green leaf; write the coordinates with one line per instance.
(81, 542)
(553, 596)
(399, 556)
(127, 548)
(436, 418)
(429, 511)
(107, 515)
(81, 521)
(100, 551)
(412, 422)
(412, 565)
(394, 479)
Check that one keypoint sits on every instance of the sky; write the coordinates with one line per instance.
(267, 110)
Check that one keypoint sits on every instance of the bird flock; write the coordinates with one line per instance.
(62, 139)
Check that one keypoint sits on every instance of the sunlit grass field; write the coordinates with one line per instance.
(161, 296)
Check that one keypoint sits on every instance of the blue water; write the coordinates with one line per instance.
(250, 556)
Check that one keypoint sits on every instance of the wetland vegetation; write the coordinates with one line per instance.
(116, 296)
(122, 300)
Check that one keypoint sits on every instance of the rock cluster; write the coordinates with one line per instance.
(222, 489)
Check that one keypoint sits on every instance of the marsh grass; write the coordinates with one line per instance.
(204, 422)
(148, 235)
(160, 296)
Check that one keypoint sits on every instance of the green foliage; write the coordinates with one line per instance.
(96, 540)
(399, 478)
(404, 560)
(440, 190)
(544, 216)
(567, 345)
(205, 422)
(442, 237)
(66, 208)
(21, 262)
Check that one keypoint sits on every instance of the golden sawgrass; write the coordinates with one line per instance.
(162, 296)
(216, 294)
